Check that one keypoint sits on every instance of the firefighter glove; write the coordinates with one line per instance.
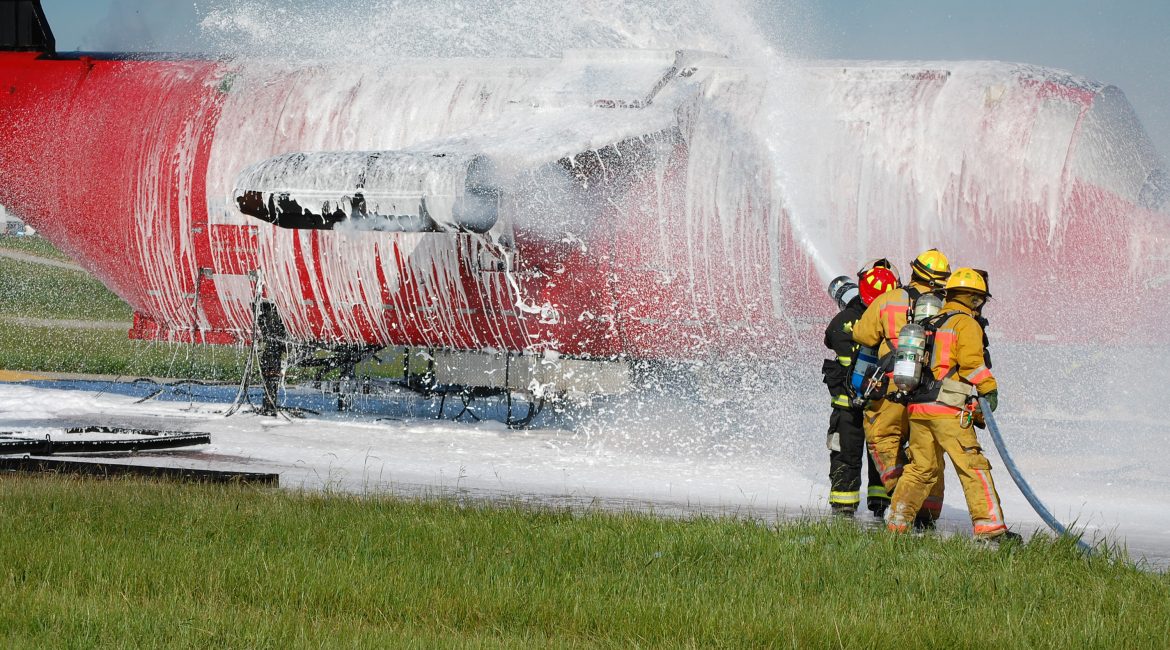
(992, 397)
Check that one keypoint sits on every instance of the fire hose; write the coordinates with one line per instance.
(1033, 500)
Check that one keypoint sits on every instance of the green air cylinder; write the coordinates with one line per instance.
(908, 358)
(927, 306)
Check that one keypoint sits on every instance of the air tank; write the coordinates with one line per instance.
(909, 356)
(926, 307)
(861, 379)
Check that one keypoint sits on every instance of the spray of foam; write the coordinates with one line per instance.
(739, 408)
(743, 410)
(388, 30)
(394, 29)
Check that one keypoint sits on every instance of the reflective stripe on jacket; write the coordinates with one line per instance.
(884, 318)
(839, 339)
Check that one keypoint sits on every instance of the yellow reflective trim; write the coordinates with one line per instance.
(844, 360)
(842, 400)
(845, 497)
(877, 491)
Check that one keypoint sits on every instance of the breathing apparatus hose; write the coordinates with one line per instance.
(1033, 500)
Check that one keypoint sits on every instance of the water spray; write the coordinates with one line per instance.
(1033, 500)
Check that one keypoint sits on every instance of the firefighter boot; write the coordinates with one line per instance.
(844, 509)
(1006, 538)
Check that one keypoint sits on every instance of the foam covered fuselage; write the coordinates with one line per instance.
(643, 203)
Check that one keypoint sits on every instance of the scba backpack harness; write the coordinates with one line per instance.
(871, 374)
(912, 372)
(909, 361)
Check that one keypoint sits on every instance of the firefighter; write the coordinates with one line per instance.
(885, 421)
(272, 338)
(937, 408)
(846, 438)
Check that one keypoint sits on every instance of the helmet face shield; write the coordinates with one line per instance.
(842, 290)
(876, 263)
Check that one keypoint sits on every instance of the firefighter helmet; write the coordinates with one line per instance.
(842, 290)
(875, 282)
(931, 267)
(986, 280)
(966, 279)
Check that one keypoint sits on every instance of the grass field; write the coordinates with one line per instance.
(38, 246)
(37, 291)
(46, 293)
(90, 563)
(109, 352)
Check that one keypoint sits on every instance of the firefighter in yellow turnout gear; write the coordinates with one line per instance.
(886, 424)
(956, 364)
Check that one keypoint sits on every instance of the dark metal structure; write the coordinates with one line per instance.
(105, 470)
(21, 453)
(13, 444)
(23, 27)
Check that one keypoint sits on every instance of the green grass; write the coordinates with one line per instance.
(110, 352)
(33, 245)
(38, 291)
(119, 563)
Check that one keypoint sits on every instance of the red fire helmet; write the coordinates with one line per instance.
(875, 282)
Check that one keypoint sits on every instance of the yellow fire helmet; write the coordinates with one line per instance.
(931, 267)
(968, 280)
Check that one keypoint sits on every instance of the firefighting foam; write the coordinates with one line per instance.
(729, 181)
(1013, 168)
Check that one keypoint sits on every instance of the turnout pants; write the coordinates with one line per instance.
(930, 438)
(887, 428)
(846, 444)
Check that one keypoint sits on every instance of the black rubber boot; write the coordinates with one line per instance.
(1006, 538)
(923, 522)
(843, 509)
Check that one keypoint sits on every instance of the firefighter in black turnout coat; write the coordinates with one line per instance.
(846, 438)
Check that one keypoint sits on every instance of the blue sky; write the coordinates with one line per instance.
(1124, 42)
